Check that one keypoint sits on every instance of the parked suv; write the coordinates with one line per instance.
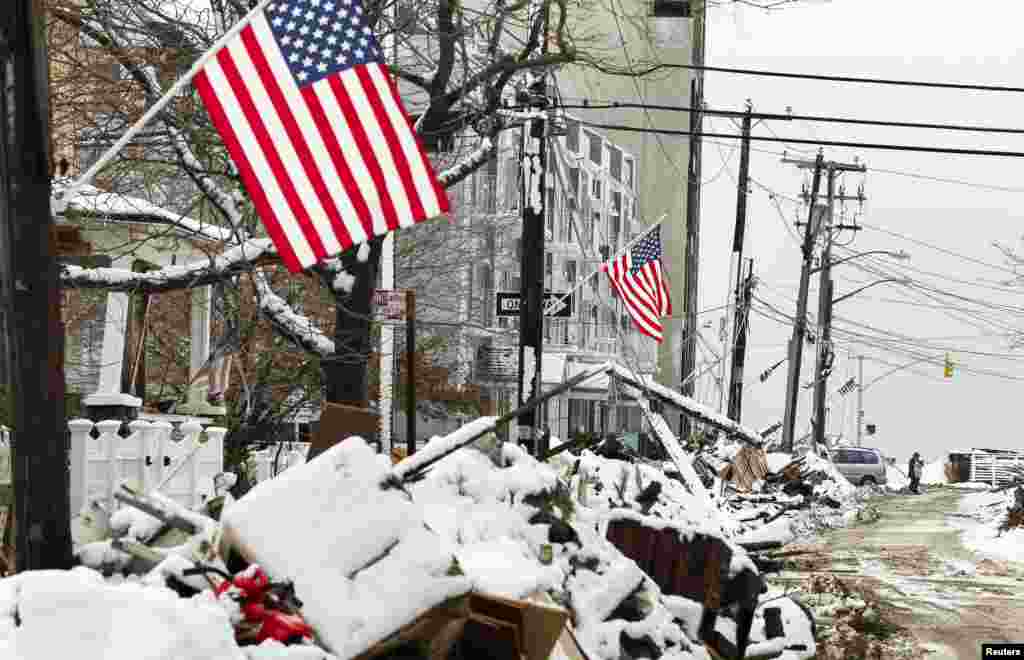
(861, 465)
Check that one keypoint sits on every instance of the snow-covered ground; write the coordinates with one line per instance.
(895, 478)
(934, 473)
(981, 514)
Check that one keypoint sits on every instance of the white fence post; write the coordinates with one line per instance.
(109, 441)
(190, 444)
(80, 446)
(211, 456)
(161, 436)
(134, 452)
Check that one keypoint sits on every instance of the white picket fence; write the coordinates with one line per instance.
(182, 468)
(997, 469)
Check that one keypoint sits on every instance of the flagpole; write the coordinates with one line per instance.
(162, 102)
(555, 304)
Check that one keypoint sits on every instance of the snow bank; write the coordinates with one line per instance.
(835, 485)
(981, 514)
(74, 614)
(778, 460)
(934, 473)
(895, 479)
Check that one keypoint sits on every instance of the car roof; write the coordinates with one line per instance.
(870, 449)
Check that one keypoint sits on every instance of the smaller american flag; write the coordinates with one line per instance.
(640, 281)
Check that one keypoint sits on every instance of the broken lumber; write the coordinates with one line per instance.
(155, 509)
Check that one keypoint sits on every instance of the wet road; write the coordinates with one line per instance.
(906, 557)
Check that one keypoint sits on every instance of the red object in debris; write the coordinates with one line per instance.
(262, 604)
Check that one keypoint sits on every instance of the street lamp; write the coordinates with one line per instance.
(895, 280)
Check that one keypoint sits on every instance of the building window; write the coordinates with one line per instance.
(595, 189)
(570, 271)
(615, 163)
(627, 172)
(596, 147)
(670, 8)
(549, 264)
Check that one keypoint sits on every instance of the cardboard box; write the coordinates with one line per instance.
(339, 421)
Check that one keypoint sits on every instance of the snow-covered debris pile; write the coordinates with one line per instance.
(75, 614)
(934, 473)
(992, 523)
(895, 479)
(363, 559)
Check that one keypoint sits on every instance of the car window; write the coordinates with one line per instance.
(842, 456)
(869, 458)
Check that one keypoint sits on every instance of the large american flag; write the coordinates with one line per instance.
(313, 121)
(638, 278)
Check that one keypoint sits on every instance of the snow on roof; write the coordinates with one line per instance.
(94, 202)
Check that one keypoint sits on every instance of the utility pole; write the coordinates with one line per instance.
(825, 298)
(740, 291)
(531, 290)
(739, 355)
(860, 397)
(824, 311)
(693, 190)
(31, 296)
(800, 321)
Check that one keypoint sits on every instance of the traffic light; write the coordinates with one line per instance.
(948, 373)
(870, 428)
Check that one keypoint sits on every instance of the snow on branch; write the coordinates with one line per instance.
(235, 260)
(483, 152)
(296, 327)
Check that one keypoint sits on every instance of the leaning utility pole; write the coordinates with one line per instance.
(824, 313)
(693, 190)
(800, 321)
(31, 296)
(739, 354)
(531, 286)
(740, 315)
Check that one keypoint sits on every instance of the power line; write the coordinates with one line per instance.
(847, 79)
(821, 143)
(932, 246)
(775, 116)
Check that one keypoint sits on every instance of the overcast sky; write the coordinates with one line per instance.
(914, 409)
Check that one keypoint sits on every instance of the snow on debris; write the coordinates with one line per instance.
(75, 614)
(982, 514)
(361, 558)
(895, 479)
(836, 486)
(440, 445)
(934, 473)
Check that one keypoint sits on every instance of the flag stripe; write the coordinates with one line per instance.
(275, 123)
(639, 308)
(247, 171)
(278, 173)
(395, 152)
(357, 94)
(641, 285)
(440, 198)
(642, 322)
(381, 225)
(422, 189)
(345, 151)
(320, 169)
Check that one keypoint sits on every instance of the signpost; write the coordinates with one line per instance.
(394, 306)
(508, 304)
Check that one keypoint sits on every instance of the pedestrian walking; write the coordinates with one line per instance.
(914, 470)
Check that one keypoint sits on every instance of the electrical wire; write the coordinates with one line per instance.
(821, 143)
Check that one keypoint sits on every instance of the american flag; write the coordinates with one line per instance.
(313, 121)
(638, 278)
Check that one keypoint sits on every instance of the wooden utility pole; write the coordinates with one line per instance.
(824, 312)
(800, 321)
(693, 190)
(31, 297)
(531, 289)
(739, 308)
(739, 354)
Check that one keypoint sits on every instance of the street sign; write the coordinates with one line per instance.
(508, 304)
(389, 304)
